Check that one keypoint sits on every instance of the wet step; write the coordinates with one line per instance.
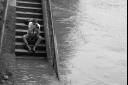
(34, 71)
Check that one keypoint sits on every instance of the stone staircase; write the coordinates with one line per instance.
(27, 9)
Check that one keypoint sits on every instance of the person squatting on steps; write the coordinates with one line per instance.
(33, 34)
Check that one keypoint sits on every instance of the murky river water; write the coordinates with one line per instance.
(92, 41)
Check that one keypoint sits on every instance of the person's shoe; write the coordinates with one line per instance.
(5, 77)
(29, 48)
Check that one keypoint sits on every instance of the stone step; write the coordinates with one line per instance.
(29, 9)
(22, 52)
(23, 19)
(25, 51)
(20, 43)
(29, 15)
(35, 1)
(29, 4)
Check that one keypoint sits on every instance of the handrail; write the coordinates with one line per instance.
(3, 21)
(50, 36)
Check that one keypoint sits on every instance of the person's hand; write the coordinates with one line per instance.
(26, 22)
(37, 26)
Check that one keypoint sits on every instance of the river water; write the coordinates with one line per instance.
(92, 41)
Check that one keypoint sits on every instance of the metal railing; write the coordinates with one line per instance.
(51, 41)
(4, 4)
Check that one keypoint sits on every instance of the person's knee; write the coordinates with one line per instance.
(25, 36)
(40, 38)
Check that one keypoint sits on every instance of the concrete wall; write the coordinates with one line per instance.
(12, 2)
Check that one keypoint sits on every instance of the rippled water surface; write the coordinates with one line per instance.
(92, 41)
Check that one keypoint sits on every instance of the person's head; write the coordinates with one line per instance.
(34, 21)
